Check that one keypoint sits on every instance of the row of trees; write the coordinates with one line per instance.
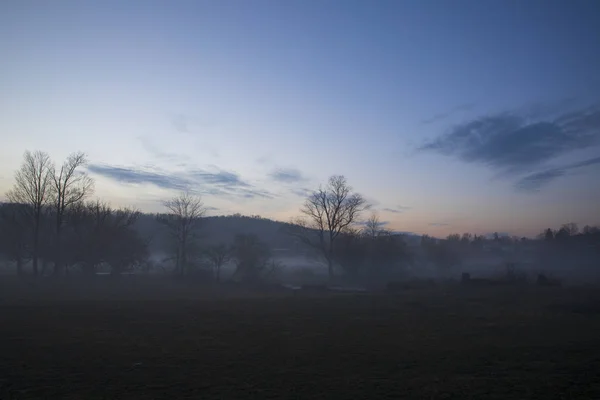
(183, 222)
(566, 246)
(41, 190)
(50, 218)
(328, 227)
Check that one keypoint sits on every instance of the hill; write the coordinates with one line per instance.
(222, 229)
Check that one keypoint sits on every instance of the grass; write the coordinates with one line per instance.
(132, 340)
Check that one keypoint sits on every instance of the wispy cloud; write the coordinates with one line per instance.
(533, 182)
(441, 116)
(301, 192)
(512, 144)
(135, 176)
(160, 154)
(177, 159)
(397, 210)
(218, 183)
(287, 175)
(371, 201)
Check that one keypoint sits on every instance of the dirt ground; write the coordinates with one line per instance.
(131, 341)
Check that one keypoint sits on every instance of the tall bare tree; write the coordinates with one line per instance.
(33, 186)
(70, 186)
(327, 212)
(182, 221)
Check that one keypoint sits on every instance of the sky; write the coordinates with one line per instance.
(448, 116)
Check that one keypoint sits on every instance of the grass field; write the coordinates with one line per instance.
(129, 340)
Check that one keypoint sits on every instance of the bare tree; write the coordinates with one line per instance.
(33, 185)
(252, 257)
(328, 212)
(70, 186)
(373, 226)
(185, 213)
(218, 255)
(571, 228)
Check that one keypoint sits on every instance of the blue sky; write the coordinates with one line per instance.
(457, 116)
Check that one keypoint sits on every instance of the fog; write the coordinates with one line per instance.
(361, 259)
(51, 228)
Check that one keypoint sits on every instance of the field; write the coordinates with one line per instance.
(136, 340)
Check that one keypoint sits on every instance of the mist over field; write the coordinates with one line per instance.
(300, 199)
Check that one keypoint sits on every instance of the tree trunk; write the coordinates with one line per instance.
(183, 260)
(44, 266)
(330, 261)
(183, 246)
(36, 236)
(177, 262)
(58, 264)
(19, 266)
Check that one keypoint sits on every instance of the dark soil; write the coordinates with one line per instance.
(135, 341)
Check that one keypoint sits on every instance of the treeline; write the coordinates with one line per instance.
(91, 234)
(51, 224)
(566, 250)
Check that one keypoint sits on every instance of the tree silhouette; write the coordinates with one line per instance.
(70, 186)
(218, 255)
(183, 220)
(33, 186)
(327, 212)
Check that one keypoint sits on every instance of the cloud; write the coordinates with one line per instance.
(301, 192)
(438, 224)
(287, 175)
(212, 210)
(372, 202)
(134, 176)
(447, 114)
(397, 210)
(219, 178)
(160, 154)
(533, 182)
(177, 159)
(513, 143)
(218, 183)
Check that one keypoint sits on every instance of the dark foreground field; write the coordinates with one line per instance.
(435, 343)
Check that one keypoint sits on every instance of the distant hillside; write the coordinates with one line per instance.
(222, 229)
